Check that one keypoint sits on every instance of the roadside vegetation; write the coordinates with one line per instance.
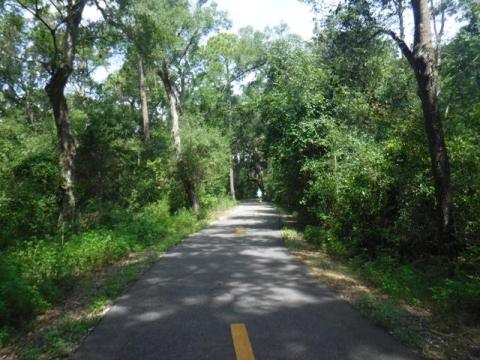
(348, 153)
(65, 289)
(397, 297)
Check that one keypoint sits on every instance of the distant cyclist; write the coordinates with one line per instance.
(259, 194)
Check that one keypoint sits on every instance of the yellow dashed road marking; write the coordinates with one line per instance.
(241, 342)
(239, 231)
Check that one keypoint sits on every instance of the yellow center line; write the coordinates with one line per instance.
(241, 342)
(239, 231)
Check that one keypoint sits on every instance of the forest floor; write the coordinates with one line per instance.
(434, 336)
(59, 331)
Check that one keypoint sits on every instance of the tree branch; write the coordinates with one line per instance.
(190, 43)
(406, 51)
(57, 8)
(36, 15)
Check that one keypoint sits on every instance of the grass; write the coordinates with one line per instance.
(394, 297)
(387, 314)
(58, 336)
(69, 288)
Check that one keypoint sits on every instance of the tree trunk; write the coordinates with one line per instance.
(231, 173)
(66, 140)
(61, 69)
(188, 185)
(143, 97)
(424, 64)
(232, 181)
(175, 125)
(192, 195)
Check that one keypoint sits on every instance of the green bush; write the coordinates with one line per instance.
(29, 182)
(19, 299)
(184, 222)
(206, 158)
(396, 279)
(153, 222)
(460, 293)
(326, 240)
(38, 273)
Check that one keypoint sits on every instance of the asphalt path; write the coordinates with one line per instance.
(235, 271)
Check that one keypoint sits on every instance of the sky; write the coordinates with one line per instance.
(262, 13)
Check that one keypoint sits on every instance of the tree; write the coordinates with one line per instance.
(229, 59)
(423, 60)
(134, 37)
(179, 30)
(61, 20)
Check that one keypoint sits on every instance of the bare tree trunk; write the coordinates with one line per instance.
(231, 173)
(175, 126)
(424, 61)
(61, 68)
(66, 140)
(232, 180)
(438, 32)
(143, 97)
(192, 195)
(29, 111)
(188, 185)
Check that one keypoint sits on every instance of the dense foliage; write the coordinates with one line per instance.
(346, 148)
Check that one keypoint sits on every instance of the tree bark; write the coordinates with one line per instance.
(231, 173)
(172, 99)
(66, 141)
(232, 181)
(424, 60)
(61, 69)
(143, 98)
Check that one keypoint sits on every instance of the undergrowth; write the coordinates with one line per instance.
(37, 275)
(426, 282)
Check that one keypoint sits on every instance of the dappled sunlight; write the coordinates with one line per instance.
(272, 253)
(154, 315)
(221, 276)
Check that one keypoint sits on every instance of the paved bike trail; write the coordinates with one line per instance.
(235, 271)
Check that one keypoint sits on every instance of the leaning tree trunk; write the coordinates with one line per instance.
(143, 98)
(187, 183)
(424, 65)
(66, 141)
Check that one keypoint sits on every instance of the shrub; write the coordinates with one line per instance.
(18, 298)
(326, 240)
(461, 293)
(153, 222)
(38, 273)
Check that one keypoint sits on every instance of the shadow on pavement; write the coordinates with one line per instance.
(183, 306)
